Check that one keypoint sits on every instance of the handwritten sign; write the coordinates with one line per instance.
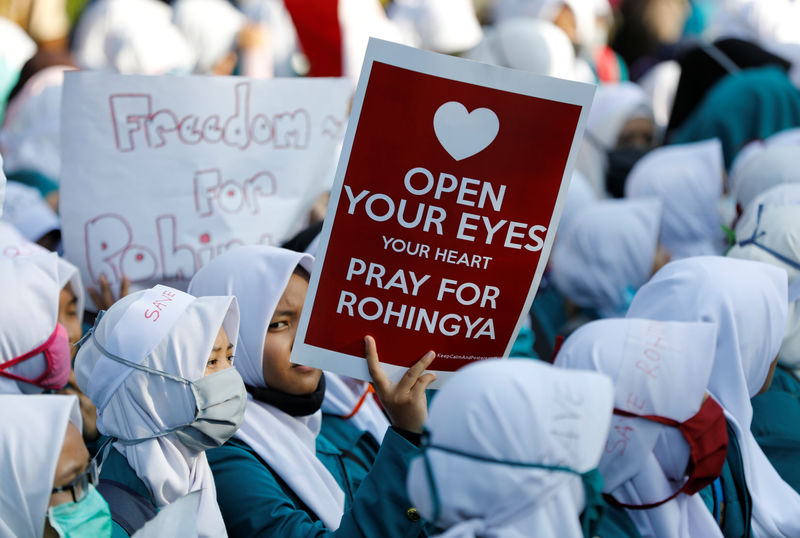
(161, 174)
(445, 205)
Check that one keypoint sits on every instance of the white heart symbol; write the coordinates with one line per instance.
(463, 134)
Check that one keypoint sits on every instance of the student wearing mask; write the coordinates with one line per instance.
(664, 444)
(48, 480)
(748, 302)
(34, 346)
(510, 450)
(299, 482)
(619, 131)
(157, 366)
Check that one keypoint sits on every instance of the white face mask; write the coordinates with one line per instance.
(220, 401)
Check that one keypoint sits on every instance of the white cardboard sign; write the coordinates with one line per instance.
(161, 174)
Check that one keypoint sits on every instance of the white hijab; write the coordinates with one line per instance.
(528, 44)
(14, 245)
(30, 289)
(28, 212)
(606, 253)
(514, 410)
(687, 178)
(774, 165)
(31, 443)
(343, 394)
(211, 27)
(748, 301)
(660, 83)
(258, 276)
(614, 105)
(132, 404)
(31, 134)
(648, 463)
(109, 36)
(580, 196)
(447, 26)
(779, 230)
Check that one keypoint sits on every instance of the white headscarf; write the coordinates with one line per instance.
(687, 178)
(34, 428)
(513, 410)
(447, 26)
(614, 105)
(3, 181)
(31, 135)
(606, 253)
(528, 44)
(14, 245)
(258, 276)
(109, 36)
(583, 10)
(648, 463)
(30, 289)
(580, 196)
(660, 84)
(748, 301)
(774, 165)
(779, 230)
(757, 20)
(787, 137)
(16, 47)
(133, 404)
(28, 212)
(211, 27)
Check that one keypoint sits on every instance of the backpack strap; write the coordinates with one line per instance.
(129, 510)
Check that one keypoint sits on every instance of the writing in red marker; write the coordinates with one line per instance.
(159, 304)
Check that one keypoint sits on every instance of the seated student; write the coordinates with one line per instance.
(606, 253)
(770, 232)
(34, 346)
(48, 482)
(748, 302)
(509, 449)
(688, 180)
(299, 483)
(70, 310)
(352, 418)
(156, 365)
(651, 465)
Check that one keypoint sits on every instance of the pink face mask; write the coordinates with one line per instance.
(56, 353)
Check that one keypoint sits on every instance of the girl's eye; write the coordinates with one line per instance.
(230, 359)
(211, 362)
(278, 325)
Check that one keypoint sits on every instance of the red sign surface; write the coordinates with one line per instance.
(444, 206)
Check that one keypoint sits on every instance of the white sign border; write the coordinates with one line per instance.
(456, 69)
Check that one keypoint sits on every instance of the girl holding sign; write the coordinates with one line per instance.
(297, 482)
(157, 366)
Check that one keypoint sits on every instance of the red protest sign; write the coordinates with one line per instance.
(442, 213)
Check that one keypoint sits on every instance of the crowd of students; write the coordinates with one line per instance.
(671, 409)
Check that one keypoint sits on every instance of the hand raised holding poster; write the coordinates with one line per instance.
(161, 174)
(447, 195)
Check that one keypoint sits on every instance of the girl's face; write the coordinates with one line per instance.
(279, 372)
(221, 356)
(68, 316)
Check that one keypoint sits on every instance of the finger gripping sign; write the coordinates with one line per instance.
(445, 204)
(161, 174)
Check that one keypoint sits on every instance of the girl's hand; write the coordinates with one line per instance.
(405, 401)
